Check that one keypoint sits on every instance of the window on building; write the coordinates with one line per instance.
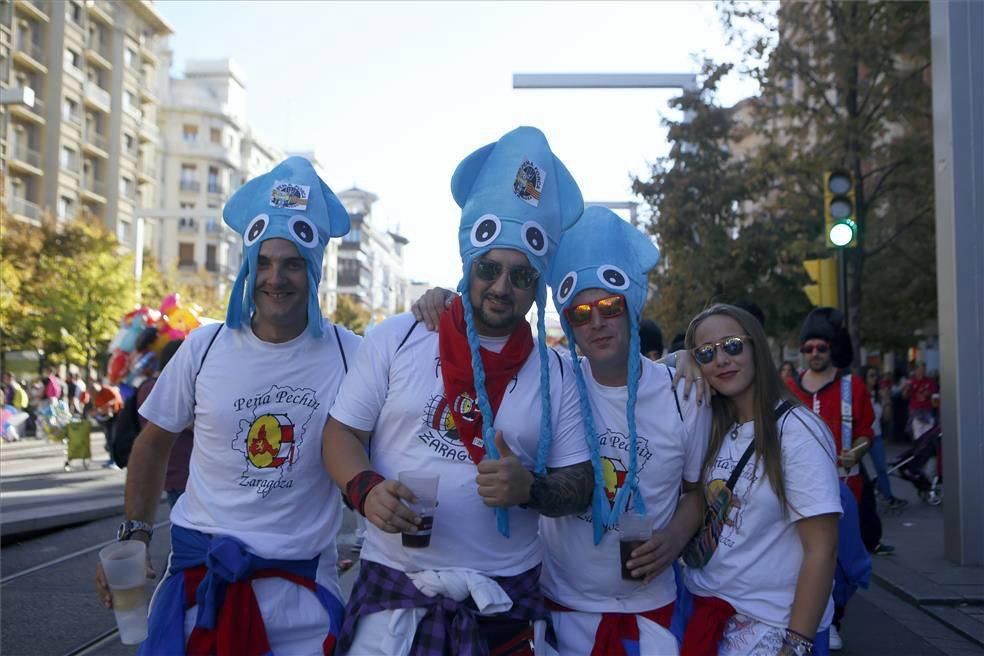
(73, 59)
(73, 12)
(189, 175)
(66, 208)
(129, 142)
(214, 184)
(123, 231)
(215, 135)
(69, 158)
(189, 133)
(70, 110)
(129, 101)
(211, 261)
(129, 56)
(126, 187)
(186, 254)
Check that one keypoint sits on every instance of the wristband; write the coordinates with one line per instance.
(798, 643)
(358, 489)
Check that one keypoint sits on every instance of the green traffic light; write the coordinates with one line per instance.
(842, 233)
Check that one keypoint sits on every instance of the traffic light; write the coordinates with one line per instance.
(839, 209)
(823, 273)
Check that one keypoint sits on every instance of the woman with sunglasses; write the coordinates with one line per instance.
(766, 588)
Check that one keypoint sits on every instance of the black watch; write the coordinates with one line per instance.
(131, 526)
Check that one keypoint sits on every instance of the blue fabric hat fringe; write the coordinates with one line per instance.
(290, 202)
(605, 252)
(516, 194)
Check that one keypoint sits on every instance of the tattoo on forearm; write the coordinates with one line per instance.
(563, 491)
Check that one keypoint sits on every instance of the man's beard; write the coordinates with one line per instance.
(820, 366)
(496, 320)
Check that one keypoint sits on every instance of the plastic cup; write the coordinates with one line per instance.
(125, 565)
(423, 484)
(634, 530)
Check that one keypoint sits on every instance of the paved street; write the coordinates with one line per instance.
(53, 609)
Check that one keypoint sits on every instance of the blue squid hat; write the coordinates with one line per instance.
(604, 251)
(514, 194)
(290, 202)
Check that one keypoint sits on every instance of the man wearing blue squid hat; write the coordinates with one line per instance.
(646, 442)
(482, 406)
(253, 563)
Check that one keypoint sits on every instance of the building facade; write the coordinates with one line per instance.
(88, 143)
(370, 260)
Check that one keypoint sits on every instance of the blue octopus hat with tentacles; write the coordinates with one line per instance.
(516, 194)
(605, 252)
(290, 202)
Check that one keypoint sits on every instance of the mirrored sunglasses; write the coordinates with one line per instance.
(608, 307)
(732, 346)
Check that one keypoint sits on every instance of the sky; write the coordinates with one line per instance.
(391, 96)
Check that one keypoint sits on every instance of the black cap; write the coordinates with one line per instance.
(650, 336)
(828, 324)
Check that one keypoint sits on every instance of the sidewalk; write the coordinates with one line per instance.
(918, 573)
(37, 493)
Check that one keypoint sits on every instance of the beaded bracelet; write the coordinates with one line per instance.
(799, 643)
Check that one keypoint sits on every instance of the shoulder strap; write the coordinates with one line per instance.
(207, 349)
(560, 362)
(407, 336)
(846, 412)
(341, 349)
(780, 411)
(676, 399)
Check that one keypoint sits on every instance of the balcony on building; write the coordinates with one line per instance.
(146, 172)
(147, 132)
(36, 9)
(96, 53)
(216, 188)
(95, 143)
(100, 10)
(33, 114)
(23, 209)
(22, 157)
(193, 186)
(29, 54)
(94, 190)
(97, 97)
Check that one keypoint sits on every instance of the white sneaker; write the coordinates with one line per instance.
(836, 644)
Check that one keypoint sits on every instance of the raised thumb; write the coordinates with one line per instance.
(500, 444)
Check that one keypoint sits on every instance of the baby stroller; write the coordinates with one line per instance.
(912, 463)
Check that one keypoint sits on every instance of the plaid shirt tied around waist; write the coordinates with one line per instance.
(449, 627)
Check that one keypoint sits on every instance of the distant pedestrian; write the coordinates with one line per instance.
(13, 393)
(650, 339)
(919, 392)
(787, 371)
(76, 392)
(882, 404)
(106, 405)
(52, 386)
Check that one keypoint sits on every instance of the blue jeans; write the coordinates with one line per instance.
(877, 454)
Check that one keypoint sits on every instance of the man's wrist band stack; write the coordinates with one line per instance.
(798, 643)
(357, 489)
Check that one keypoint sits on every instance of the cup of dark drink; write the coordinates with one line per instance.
(423, 484)
(634, 530)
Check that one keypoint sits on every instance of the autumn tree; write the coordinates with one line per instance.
(846, 84)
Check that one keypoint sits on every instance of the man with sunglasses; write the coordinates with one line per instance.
(482, 404)
(647, 447)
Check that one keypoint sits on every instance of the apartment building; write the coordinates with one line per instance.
(370, 259)
(88, 143)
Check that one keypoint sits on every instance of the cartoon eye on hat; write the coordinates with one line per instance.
(255, 229)
(567, 286)
(613, 277)
(302, 230)
(485, 230)
(534, 237)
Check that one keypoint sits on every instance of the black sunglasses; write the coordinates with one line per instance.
(733, 346)
(807, 349)
(520, 277)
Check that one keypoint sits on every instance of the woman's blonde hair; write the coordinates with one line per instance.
(768, 392)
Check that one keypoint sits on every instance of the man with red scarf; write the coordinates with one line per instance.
(483, 405)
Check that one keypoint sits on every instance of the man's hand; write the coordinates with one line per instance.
(102, 585)
(689, 371)
(851, 457)
(384, 507)
(503, 482)
(653, 557)
(428, 308)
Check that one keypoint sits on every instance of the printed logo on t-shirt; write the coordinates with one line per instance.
(440, 433)
(615, 464)
(271, 435)
(722, 471)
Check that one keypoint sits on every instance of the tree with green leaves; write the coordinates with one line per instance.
(846, 84)
(352, 315)
(716, 246)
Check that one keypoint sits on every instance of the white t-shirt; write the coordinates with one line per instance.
(670, 450)
(758, 557)
(397, 392)
(259, 410)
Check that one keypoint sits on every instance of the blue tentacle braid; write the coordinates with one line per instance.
(546, 432)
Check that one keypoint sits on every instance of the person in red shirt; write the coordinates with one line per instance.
(827, 348)
(919, 390)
